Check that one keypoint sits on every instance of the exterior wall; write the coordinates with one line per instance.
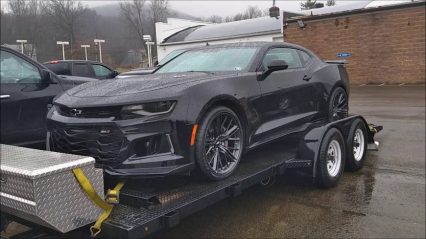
(386, 46)
(163, 50)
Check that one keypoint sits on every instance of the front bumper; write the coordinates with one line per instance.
(126, 148)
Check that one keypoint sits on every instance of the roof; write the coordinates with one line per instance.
(337, 8)
(357, 11)
(249, 27)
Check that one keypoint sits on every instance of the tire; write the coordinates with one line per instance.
(357, 146)
(338, 105)
(328, 174)
(216, 153)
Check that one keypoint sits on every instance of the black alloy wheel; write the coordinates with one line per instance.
(219, 143)
(338, 105)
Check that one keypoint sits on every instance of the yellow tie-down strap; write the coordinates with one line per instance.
(112, 197)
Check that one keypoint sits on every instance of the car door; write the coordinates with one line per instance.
(24, 100)
(286, 97)
(102, 72)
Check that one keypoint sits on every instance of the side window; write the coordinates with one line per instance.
(304, 57)
(289, 55)
(60, 68)
(101, 71)
(82, 69)
(14, 69)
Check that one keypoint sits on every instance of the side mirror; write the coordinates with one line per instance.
(155, 63)
(45, 76)
(114, 74)
(275, 65)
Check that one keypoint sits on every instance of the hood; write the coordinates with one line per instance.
(137, 84)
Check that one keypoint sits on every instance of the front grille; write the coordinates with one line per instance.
(104, 143)
(99, 112)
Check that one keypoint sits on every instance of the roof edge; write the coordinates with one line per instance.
(357, 11)
(221, 38)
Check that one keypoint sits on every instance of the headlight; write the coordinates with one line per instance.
(147, 109)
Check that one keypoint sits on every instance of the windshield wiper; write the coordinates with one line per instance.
(207, 72)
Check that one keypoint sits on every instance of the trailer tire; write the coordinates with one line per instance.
(331, 160)
(357, 146)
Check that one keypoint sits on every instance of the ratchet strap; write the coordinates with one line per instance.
(112, 197)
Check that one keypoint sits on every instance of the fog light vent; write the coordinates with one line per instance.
(151, 145)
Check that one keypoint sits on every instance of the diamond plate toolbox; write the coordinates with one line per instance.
(40, 187)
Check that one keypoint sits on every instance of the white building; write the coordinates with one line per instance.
(179, 33)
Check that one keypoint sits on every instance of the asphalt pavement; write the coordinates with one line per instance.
(385, 199)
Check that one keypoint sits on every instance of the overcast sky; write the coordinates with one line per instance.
(205, 8)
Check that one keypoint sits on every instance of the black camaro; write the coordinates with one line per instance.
(203, 109)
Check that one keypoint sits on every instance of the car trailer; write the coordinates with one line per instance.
(143, 207)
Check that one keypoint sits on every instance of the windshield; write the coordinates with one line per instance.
(211, 59)
(170, 56)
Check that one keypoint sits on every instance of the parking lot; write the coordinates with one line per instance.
(385, 199)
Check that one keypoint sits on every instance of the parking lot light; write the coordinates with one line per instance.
(85, 50)
(22, 44)
(149, 43)
(99, 41)
(63, 43)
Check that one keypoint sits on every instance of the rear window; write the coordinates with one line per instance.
(82, 69)
(60, 68)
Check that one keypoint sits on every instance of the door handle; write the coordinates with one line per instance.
(4, 97)
(307, 78)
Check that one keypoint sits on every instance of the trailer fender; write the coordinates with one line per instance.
(310, 143)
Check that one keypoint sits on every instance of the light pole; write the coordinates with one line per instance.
(149, 43)
(85, 50)
(22, 44)
(63, 43)
(99, 41)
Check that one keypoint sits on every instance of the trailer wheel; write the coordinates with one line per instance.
(331, 161)
(219, 143)
(357, 146)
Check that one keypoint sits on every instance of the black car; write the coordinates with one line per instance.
(27, 89)
(81, 68)
(203, 109)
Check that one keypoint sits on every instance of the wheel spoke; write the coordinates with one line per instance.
(231, 131)
(228, 153)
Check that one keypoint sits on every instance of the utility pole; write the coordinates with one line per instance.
(85, 50)
(22, 44)
(63, 43)
(99, 41)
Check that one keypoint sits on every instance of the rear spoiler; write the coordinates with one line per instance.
(340, 62)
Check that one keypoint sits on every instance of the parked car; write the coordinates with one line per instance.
(81, 68)
(27, 89)
(204, 109)
(146, 71)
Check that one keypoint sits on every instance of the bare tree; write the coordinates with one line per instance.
(308, 4)
(252, 12)
(330, 3)
(65, 16)
(25, 16)
(215, 19)
(133, 13)
(159, 10)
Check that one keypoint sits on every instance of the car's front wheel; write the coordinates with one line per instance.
(219, 143)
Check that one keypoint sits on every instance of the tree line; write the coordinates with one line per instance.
(44, 22)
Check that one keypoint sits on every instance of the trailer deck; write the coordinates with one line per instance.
(150, 206)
